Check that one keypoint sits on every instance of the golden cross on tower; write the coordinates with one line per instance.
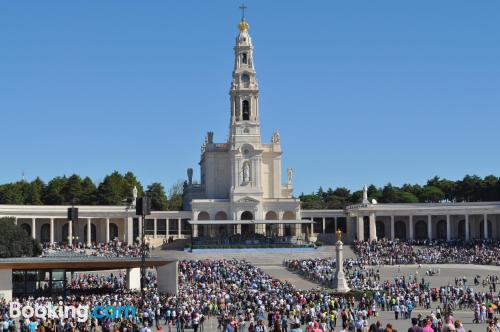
(243, 7)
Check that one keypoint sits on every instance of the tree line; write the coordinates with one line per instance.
(114, 189)
(471, 188)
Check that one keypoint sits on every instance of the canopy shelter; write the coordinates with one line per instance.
(49, 276)
(249, 233)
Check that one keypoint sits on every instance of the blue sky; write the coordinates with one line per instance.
(361, 91)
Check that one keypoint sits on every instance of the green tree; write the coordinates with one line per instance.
(89, 192)
(159, 200)
(35, 192)
(15, 242)
(53, 192)
(431, 194)
(12, 193)
(175, 196)
(406, 197)
(72, 190)
(111, 190)
(389, 194)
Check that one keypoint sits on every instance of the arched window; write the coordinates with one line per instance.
(244, 58)
(113, 231)
(45, 233)
(246, 110)
(245, 79)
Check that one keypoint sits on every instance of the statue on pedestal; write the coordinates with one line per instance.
(365, 195)
(339, 283)
(134, 196)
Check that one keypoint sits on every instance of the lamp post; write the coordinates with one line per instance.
(142, 209)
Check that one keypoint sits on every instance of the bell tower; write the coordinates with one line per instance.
(244, 92)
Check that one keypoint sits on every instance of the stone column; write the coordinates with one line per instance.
(167, 228)
(392, 227)
(107, 230)
(129, 230)
(410, 226)
(15, 221)
(155, 227)
(429, 227)
(70, 232)
(89, 232)
(448, 228)
(467, 235)
(179, 221)
(339, 282)
(361, 228)
(335, 224)
(140, 229)
(324, 225)
(373, 227)
(485, 226)
(33, 228)
(52, 231)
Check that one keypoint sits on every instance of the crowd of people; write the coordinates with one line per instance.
(241, 297)
(113, 248)
(92, 281)
(387, 252)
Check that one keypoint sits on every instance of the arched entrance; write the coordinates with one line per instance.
(441, 230)
(45, 233)
(289, 229)
(271, 229)
(223, 230)
(247, 228)
(202, 228)
(421, 230)
(113, 231)
(380, 227)
(400, 230)
(93, 233)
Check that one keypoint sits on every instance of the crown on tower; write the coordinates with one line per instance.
(243, 25)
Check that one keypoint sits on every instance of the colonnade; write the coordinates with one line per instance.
(123, 229)
(488, 228)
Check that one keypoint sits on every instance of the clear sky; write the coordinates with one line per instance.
(361, 91)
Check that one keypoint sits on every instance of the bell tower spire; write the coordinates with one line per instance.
(244, 92)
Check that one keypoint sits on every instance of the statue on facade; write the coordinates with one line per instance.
(246, 172)
(134, 196)
(289, 174)
(190, 175)
(365, 195)
(276, 137)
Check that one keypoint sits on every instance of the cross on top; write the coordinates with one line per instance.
(243, 7)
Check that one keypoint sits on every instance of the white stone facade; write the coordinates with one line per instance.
(241, 178)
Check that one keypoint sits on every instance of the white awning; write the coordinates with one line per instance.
(246, 222)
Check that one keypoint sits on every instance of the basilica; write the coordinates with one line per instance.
(242, 190)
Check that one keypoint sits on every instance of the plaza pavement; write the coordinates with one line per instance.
(271, 262)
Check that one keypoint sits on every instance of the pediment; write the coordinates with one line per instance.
(247, 199)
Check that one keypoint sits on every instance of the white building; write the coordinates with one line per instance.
(241, 179)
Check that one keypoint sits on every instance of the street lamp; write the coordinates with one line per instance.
(143, 208)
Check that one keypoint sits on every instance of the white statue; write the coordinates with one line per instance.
(134, 195)
(246, 172)
(365, 194)
(289, 173)
(276, 137)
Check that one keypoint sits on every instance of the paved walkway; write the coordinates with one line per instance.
(280, 272)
